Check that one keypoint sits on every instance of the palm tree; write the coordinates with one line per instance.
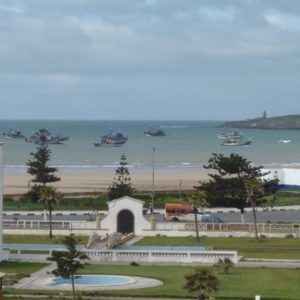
(196, 199)
(49, 196)
(225, 263)
(203, 280)
(253, 187)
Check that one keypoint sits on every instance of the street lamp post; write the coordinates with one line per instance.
(180, 185)
(152, 194)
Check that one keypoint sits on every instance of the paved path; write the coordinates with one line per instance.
(41, 280)
(269, 263)
(34, 276)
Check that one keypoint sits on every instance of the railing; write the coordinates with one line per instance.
(145, 256)
(35, 225)
(249, 227)
(163, 226)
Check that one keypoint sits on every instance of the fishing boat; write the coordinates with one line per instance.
(231, 134)
(44, 137)
(154, 132)
(13, 134)
(112, 139)
(285, 141)
(236, 142)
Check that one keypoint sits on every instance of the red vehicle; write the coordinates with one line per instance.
(181, 212)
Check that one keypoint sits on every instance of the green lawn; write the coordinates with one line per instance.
(284, 198)
(40, 239)
(100, 202)
(241, 283)
(68, 203)
(86, 202)
(271, 248)
(18, 270)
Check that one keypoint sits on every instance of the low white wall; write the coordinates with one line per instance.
(139, 256)
(4, 255)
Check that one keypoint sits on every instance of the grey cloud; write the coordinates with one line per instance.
(182, 53)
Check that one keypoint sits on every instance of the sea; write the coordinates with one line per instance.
(186, 146)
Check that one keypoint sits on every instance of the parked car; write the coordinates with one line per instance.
(190, 217)
(211, 219)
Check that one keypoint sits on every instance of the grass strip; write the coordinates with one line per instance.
(269, 248)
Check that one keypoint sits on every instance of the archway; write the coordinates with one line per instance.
(125, 221)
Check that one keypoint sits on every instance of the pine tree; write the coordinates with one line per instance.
(68, 262)
(39, 168)
(121, 185)
(227, 187)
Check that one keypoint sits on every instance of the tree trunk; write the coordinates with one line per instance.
(196, 225)
(255, 221)
(73, 287)
(201, 296)
(50, 219)
(242, 215)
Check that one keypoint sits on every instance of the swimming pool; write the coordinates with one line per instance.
(94, 280)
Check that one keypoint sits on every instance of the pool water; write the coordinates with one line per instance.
(103, 280)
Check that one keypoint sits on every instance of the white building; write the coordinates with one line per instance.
(125, 215)
(288, 177)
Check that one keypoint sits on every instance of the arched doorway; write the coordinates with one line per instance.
(125, 221)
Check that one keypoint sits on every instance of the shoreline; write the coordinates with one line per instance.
(92, 183)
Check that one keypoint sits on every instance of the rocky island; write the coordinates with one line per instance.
(280, 122)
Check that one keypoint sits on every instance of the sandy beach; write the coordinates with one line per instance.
(93, 183)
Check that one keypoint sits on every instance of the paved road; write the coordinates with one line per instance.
(290, 216)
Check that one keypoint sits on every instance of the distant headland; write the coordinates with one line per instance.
(280, 122)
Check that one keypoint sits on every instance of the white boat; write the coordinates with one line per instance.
(236, 142)
(231, 134)
(285, 141)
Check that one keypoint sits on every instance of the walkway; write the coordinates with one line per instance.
(42, 279)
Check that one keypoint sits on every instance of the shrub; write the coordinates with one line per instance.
(289, 236)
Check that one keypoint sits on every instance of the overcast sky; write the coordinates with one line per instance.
(149, 59)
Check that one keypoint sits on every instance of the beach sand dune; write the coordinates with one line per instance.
(95, 183)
